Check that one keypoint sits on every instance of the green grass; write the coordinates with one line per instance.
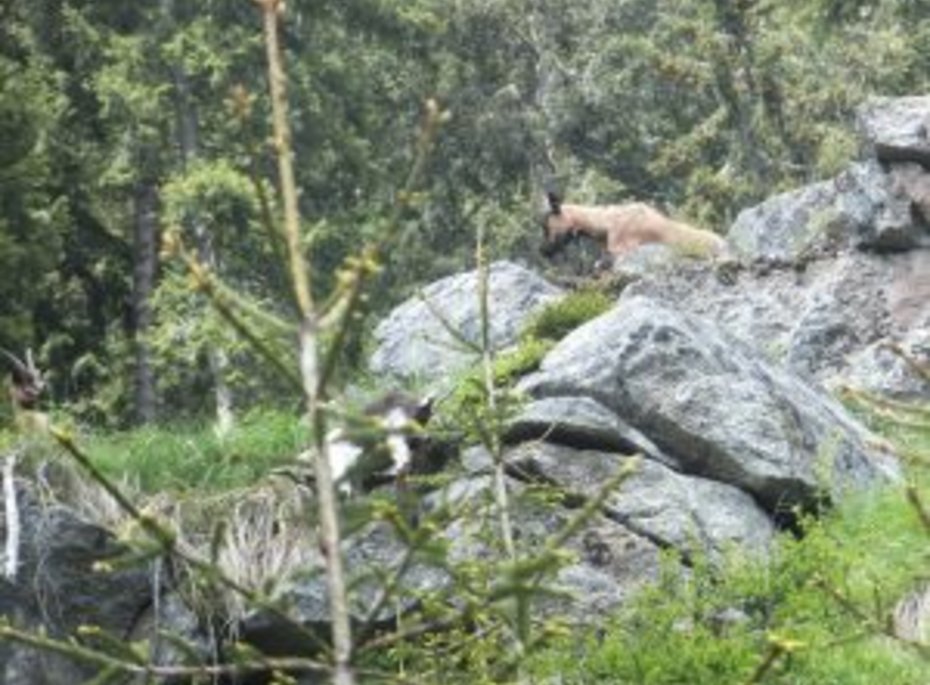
(191, 457)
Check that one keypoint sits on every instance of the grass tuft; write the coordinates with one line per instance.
(191, 457)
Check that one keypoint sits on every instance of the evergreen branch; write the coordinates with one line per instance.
(205, 281)
(312, 377)
(494, 440)
(94, 657)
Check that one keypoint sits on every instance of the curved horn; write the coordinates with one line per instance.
(20, 370)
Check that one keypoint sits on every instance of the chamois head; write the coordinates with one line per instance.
(557, 229)
(26, 381)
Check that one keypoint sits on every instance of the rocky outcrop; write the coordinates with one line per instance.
(669, 509)
(414, 341)
(834, 276)
(714, 405)
(816, 321)
(865, 207)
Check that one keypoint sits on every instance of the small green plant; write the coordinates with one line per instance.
(565, 315)
(537, 338)
(468, 399)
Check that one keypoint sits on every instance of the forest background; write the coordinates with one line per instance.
(121, 119)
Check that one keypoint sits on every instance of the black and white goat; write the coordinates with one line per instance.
(383, 444)
(383, 447)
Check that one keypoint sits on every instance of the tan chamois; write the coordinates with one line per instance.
(623, 228)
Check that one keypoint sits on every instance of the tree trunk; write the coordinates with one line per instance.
(145, 264)
(188, 141)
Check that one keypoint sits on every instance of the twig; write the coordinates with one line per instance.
(207, 283)
(11, 507)
(93, 657)
(487, 361)
(777, 648)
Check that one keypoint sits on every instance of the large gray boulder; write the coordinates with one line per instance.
(897, 129)
(713, 404)
(414, 342)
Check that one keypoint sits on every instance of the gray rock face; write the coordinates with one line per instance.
(883, 370)
(661, 505)
(712, 404)
(413, 342)
(59, 588)
(865, 207)
(897, 129)
(371, 555)
(583, 423)
(816, 321)
(610, 562)
(880, 209)
(647, 258)
(787, 226)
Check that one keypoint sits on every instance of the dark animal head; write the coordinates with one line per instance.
(26, 382)
(557, 230)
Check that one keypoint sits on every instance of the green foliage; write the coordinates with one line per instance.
(466, 407)
(561, 317)
(466, 404)
(192, 458)
(712, 627)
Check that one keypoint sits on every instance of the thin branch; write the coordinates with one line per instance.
(11, 554)
(487, 361)
(364, 267)
(94, 657)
